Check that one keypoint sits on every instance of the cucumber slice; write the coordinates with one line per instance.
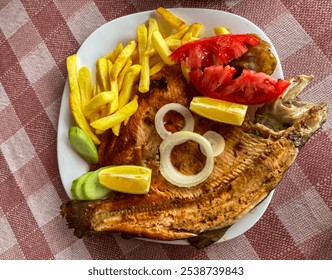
(92, 189)
(82, 144)
(76, 189)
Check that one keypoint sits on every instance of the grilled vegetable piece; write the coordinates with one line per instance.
(254, 161)
(258, 58)
(223, 48)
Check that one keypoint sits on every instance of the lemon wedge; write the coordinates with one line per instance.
(126, 179)
(218, 110)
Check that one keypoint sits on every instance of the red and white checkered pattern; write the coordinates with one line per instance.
(35, 39)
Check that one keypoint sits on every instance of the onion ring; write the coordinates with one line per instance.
(182, 110)
(217, 142)
(170, 173)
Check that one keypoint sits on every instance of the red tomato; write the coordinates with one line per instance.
(212, 78)
(249, 88)
(223, 48)
(207, 57)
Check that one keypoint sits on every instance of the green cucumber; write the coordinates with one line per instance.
(82, 144)
(76, 189)
(92, 189)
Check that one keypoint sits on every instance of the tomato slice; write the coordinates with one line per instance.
(220, 49)
(249, 88)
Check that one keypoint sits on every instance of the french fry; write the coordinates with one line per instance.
(192, 32)
(125, 93)
(196, 28)
(113, 106)
(123, 72)
(152, 27)
(142, 41)
(128, 83)
(102, 76)
(75, 99)
(115, 119)
(144, 82)
(97, 102)
(185, 71)
(157, 67)
(115, 53)
(161, 47)
(179, 34)
(85, 85)
(142, 38)
(71, 63)
(221, 30)
(122, 58)
(156, 64)
(170, 18)
(116, 129)
(173, 43)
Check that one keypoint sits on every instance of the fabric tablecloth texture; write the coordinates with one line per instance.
(36, 36)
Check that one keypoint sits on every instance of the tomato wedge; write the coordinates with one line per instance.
(222, 48)
(249, 88)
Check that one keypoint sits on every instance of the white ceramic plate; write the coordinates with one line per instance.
(123, 29)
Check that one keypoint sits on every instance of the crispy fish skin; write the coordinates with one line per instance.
(257, 155)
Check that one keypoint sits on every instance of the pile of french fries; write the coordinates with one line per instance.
(111, 102)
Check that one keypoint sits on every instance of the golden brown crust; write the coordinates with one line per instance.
(254, 161)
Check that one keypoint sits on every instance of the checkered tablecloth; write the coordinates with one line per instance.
(36, 36)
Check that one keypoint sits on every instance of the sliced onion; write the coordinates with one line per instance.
(182, 110)
(167, 169)
(217, 142)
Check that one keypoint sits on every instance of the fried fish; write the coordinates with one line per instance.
(257, 154)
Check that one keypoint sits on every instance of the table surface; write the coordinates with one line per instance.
(35, 39)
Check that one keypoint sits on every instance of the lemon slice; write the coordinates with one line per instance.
(218, 110)
(126, 179)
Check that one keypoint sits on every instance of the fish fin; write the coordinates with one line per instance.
(207, 238)
(76, 217)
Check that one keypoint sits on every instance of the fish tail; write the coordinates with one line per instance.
(77, 216)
